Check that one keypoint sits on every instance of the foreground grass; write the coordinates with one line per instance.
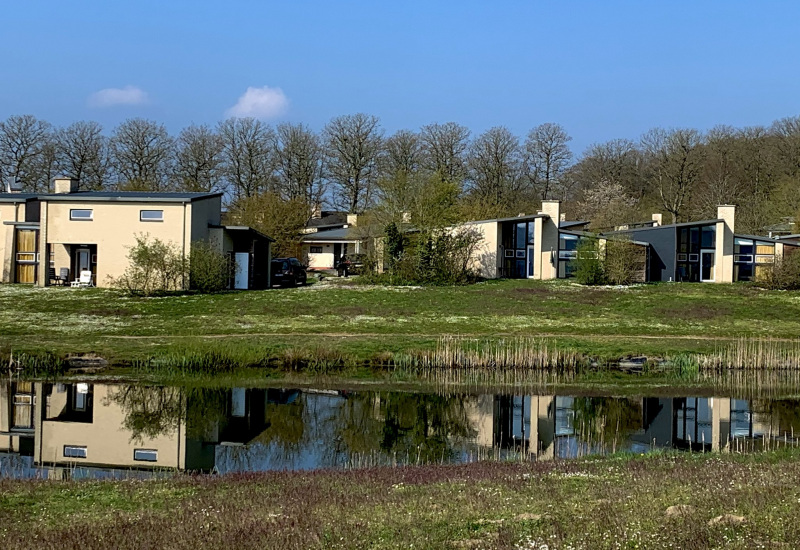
(616, 502)
(366, 321)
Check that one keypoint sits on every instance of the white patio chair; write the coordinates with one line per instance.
(85, 280)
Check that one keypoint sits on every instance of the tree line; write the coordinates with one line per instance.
(439, 174)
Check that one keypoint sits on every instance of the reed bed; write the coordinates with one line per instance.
(517, 353)
(753, 354)
(33, 365)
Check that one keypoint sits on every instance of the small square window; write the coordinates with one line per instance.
(81, 214)
(682, 257)
(151, 215)
(145, 455)
(316, 250)
(509, 254)
(73, 451)
(694, 257)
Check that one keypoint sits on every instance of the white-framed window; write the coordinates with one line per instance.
(74, 451)
(765, 259)
(151, 215)
(567, 254)
(694, 257)
(145, 455)
(81, 214)
(315, 250)
(682, 257)
(743, 258)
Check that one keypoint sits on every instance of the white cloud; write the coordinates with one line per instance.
(263, 102)
(109, 97)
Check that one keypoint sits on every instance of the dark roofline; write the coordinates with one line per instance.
(126, 196)
(673, 225)
(242, 228)
(18, 197)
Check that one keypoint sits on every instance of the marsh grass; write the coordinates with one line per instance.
(620, 501)
(754, 354)
(34, 364)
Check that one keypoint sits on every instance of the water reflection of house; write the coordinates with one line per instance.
(545, 427)
(99, 426)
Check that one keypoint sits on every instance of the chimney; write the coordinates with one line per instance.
(563, 217)
(406, 217)
(552, 209)
(65, 185)
(658, 220)
(316, 211)
(12, 185)
(352, 220)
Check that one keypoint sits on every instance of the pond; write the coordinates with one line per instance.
(86, 429)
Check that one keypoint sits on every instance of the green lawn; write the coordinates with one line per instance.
(625, 501)
(365, 321)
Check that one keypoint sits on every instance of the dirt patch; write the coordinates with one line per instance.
(694, 312)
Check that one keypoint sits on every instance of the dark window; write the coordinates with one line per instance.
(707, 239)
(522, 229)
(316, 250)
(531, 232)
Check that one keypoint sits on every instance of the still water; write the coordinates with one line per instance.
(111, 430)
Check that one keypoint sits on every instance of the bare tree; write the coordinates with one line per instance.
(198, 160)
(82, 153)
(353, 143)
(615, 162)
(142, 155)
(445, 150)
(495, 163)
(787, 132)
(299, 163)
(675, 160)
(549, 157)
(26, 151)
(247, 153)
(402, 180)
(720, 183)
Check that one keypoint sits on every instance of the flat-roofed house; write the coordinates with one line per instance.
(41, 234)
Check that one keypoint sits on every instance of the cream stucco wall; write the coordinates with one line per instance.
(115, 226)
(484, 258)
(723, 257)
(319, 260)
(545, 241)
(106, 440)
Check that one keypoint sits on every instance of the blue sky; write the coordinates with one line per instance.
(602, 69)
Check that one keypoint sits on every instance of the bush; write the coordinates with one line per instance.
(783, 275)
(624, 262)
(209, 269)
(430, 258)
(588, 267)
(154, 267)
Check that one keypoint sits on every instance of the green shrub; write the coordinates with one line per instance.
(209, 269)
(588, 267)
(154, 267)
(784, 274)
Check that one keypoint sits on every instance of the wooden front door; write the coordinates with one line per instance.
(26, 256)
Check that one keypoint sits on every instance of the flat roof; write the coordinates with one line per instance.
(127, 196)
(244, 228)
(343, 234)
(683, 224)
(17, 197)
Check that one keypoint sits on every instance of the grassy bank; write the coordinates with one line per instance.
(364, 322)
(658, 501)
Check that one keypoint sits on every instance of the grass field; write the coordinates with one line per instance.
(367, 321)
(625, 501)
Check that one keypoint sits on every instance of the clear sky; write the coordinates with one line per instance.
(603, 69)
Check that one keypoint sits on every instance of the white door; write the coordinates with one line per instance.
(242, 271)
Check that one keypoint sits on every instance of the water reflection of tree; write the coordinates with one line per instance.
(783, 414)
(606, 420)
(152, 411)
(417, 427)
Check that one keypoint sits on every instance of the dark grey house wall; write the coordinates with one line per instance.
(663, 245)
